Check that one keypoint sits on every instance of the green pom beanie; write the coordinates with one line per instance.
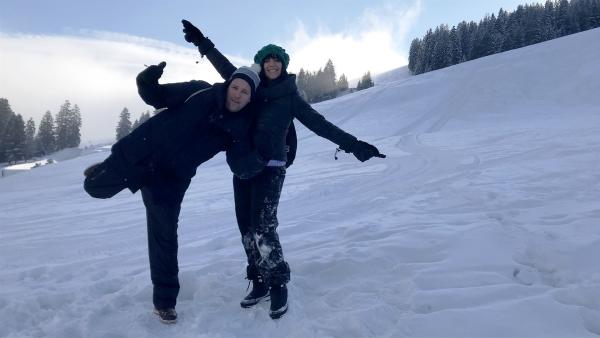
(271, 49)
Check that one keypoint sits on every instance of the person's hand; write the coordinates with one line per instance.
(152, 73)
(245, 166)
(364, 151)
(192, 33)
(195, 36)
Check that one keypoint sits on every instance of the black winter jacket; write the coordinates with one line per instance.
(278, 103)
(193, 128)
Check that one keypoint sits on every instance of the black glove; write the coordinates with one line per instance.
(246, 166)
(364, 151)
(193, 35)
(152, 73)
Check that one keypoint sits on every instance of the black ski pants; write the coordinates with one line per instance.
(256, 202)
(162, 195)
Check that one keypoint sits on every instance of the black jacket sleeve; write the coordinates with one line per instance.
(319, 125)
(168, 95)
(291, 142)
(220, 62)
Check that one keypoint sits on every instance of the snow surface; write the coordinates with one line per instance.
(26, 166)
(482, 222)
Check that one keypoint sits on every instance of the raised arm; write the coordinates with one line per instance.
(165, 95)
(207, 48)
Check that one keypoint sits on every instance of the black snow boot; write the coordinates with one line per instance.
(167, 316)
(279, 303)
(259, 292)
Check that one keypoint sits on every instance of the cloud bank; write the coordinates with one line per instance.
(372, 43)
(96, 72)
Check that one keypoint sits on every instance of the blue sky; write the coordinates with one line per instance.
(90, 51)
(260, 22)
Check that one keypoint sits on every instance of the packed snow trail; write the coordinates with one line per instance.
(484, 213)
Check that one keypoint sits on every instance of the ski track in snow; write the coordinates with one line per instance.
(482, 221)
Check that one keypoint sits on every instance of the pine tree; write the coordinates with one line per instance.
(74, 135)
(365, 82)
(482, 42)
(62, 125)
(30, 138)
(426, 64)
(515, 30)
(46, 136)
(499, 31)
(302, 83)
(455, 48)
(15, 139)
(124, 125)
(441, 48)
(342, 83)
(329, 83)
(563, 18)
(595, 14)
(6, 115)
(68, 126)
(414, 55)
(318, 86)
(549, 26)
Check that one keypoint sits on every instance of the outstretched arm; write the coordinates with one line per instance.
(207, 48)
(165, 95)
(320, 126)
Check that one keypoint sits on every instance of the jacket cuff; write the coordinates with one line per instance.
(205, 45)
(349, 145)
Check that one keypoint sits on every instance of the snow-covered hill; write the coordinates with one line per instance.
(482, 221)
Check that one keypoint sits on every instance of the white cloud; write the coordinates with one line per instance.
(97, 72)
(372, 44)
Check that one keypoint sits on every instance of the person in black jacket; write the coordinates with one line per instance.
(257, 198)
(161, 156)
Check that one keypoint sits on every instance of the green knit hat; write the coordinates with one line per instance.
(271, 49)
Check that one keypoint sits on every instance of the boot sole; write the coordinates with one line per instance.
(164, 321)
(277, 314)
(256, 301)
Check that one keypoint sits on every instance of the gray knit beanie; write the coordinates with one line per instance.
(248, 74)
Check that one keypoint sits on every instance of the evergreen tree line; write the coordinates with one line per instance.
(323, 84)
(365, 82)
(528, 24)
(124, 126)
(19, 140)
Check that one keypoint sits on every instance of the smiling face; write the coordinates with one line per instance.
(238, 95)
(272, 68)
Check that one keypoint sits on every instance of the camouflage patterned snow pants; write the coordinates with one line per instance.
(256, 202)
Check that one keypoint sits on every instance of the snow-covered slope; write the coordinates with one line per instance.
(482, 221)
